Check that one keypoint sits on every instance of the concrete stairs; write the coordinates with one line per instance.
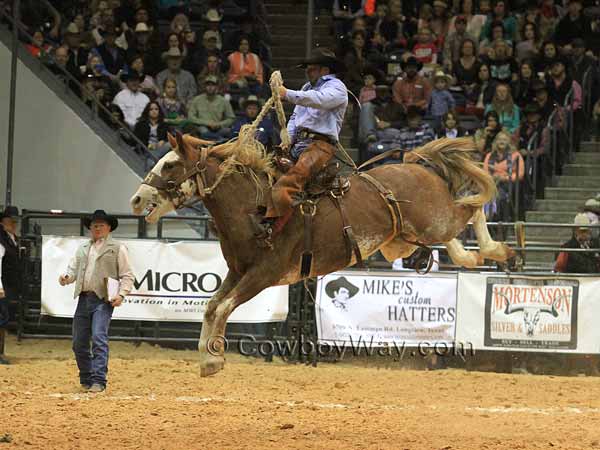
(579, 182)
(288, 23)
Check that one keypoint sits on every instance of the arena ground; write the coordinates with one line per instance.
(157, 400)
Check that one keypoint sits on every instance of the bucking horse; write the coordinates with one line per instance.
(391, 208)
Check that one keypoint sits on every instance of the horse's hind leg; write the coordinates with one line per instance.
(489, 248)
(462, 257)
(212, 345)
(207, 335)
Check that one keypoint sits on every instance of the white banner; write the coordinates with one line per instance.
(386, 308)
(174, 282)
(528, 313)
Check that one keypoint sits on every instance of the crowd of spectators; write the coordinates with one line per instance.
(494, 70)
(158, 65)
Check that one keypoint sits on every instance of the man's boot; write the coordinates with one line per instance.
(3, 360)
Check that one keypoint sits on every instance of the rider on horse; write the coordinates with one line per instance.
(314, 129)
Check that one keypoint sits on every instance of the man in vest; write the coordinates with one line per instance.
(94, 263)
(9, 268)
(314, 129)
(580, 262)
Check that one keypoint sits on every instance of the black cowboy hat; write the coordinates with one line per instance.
(9, 211)
(411, 61)
(324, 57)
(132, 75)
(341, 282)
(100, 214)
(375, 72)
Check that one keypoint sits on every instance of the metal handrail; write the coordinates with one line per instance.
(587, 98)
(71, 79)
(532, 157)
(569, 111)
(553, 143)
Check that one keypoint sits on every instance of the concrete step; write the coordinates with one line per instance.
(540, 257)
(559, 205)
(588, 146)
(550, 216)
(279, 8)
(570, 193)
(587, 158)
(589, 170)
(542, 234)
(579, 181)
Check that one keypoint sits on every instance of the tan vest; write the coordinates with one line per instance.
(107, 265)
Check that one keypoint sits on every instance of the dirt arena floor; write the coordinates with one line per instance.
(157, 400)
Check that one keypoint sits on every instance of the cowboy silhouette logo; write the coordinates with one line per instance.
(340, 291)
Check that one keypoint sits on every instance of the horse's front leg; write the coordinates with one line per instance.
(212, 346)
(208, 324)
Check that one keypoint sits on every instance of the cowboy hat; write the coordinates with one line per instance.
(592, 205)
(324, 57)
(212, 15)
(441, 74)
(142, 28)
(9, 211)
(72, 29)
(211, 79)
(411, 61)
(210, 34)
(173, 52)
(249, 100)
(582, 221)
(341, 282)
(101, 215)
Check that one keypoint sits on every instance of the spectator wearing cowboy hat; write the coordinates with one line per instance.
(210, 113)
(213, 21)
(139, 44)
(580, 262)
(131, 101)
(114, 57)
(94, 262)
(314, 129)
(592, 210)
(10, 268)
(413, 89)
(78, 55)
(573, 25)
(441, 100)
(251, 107)
(186, 84)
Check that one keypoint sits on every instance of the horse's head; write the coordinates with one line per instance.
(181, 174)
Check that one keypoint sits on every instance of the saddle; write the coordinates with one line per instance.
(326, 180)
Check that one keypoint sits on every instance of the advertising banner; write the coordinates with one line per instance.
(174, 282)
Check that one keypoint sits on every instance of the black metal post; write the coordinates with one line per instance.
(12, 103)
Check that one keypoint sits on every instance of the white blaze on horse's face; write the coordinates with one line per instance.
(154, 203)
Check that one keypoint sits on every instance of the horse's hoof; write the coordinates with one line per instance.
(211, 366)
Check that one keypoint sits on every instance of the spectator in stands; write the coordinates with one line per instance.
(140, 44)
(441, 100)
(99, 13)
(209, 47)
(417, 133)
(486, 48)
(148, 86)
(523, 88)
(503, 67)
(131, 101)
(114, 58)
(500, 13)
(245, 68)
(450, 127)
(544, 62)
(529, 47)
(484, 138)
(475, 22)
(454, 42)
(485, 89)
(393, 27)
(356, 61)
(438, 25)
(344, 13)
(504, 106)
(466, 71)
(173, 109)
(38, 48)
(152, 130)
(507, 167)
(591, 209)
(193, 61)
(580, 262)
(213, 67)
(580, 62)
(210, 113)
(186, 85)
(94, 309)
(10, 267)
(369, 91)
(117, 123)
(213, 21)
(179, 23)
(572, 26)
(174, 41)
(425, 49)
(380, 114)
(550, 14)
(38, 16)
(58, 63)
(542, 99)
(78, 56)
(251, 108)
(413, 89)
(560, 83)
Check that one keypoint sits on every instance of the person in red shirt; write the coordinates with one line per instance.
(425, 49)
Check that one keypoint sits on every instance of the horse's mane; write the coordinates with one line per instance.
(468, 182)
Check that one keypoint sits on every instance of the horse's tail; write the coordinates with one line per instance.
(468, 182)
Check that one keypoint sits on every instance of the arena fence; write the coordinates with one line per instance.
(298, 331)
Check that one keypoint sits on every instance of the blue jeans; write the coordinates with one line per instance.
(91, 322)
(221, 134)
